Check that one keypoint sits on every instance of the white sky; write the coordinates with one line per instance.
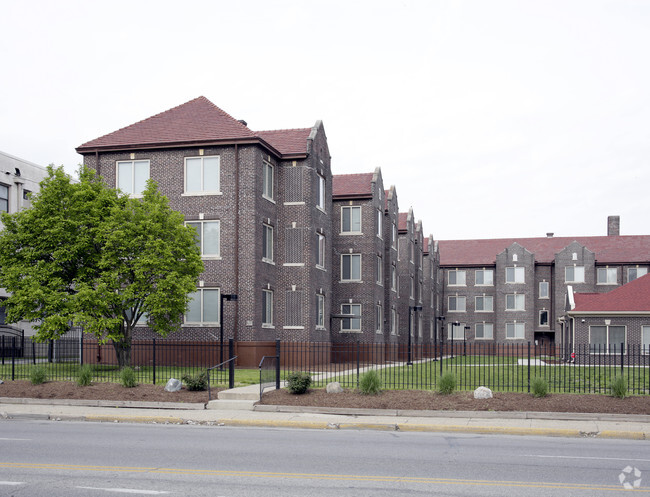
(492, 118)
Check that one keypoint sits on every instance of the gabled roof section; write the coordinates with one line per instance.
(608, 249)
(352, 185)
(288, 142)
(631, 297)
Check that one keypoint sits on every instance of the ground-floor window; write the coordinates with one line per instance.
(606, 339)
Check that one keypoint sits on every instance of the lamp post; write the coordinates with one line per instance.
(439, 329)
(454, 324)
(229, 297)
(412, 310)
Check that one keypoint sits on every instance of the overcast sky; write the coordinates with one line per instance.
(492, 118)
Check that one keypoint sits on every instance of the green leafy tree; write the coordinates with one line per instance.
(88, 255)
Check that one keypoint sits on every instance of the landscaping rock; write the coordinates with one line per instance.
(482, 393)
(334, 387)
(1, 382)
(173, 385)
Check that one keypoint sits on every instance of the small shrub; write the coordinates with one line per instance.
(539, 387)
(447, 383)
(38, 375)
(127, 378)
(298, 383)
(618, 387)
(370, 383)
(197, 382)
(85, 375)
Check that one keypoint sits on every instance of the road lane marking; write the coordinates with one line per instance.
(588, 457)
(317, 476)
(12, 483)
(126, 490)
(16, 439)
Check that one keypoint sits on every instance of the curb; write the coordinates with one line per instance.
(104, 403)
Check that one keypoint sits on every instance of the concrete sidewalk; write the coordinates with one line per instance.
(510, 423)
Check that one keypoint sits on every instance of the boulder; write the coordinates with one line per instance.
(482, 393)
(173, 385)
(334, 387)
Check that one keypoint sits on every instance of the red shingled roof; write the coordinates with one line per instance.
(287, 141)
(352, 185)
(608, 249)
(632, 297)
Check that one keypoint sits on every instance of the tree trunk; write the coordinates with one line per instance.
(123, 348)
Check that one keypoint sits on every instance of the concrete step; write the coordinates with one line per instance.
(231, 405)
(250, 392)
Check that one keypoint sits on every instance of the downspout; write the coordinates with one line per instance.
(236, 254)
(573, 336)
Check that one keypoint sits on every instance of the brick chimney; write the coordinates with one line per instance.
(613, 225)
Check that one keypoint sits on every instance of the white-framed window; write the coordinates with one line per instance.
(203, 308)
(394, 236)
(202, 174)
(606, 339)
(420, 326)
(484, 331)
(412, 288)
(320, 256)
(515, 330)
(457, 331)
(543, 318)
(484, 303)
(380, 270)
(132, 176)
(456, 303)
(420, 292)
(574, 274)
(350, 267)
(4, 198)
(606, 276)
(636, 272)
(351, 323)
(515, 302)
(320, 311)
(484, 277)
(351, 219)
(456, 277)
(543, 290)
(379, 318)
(321, 192)
(393, 321)
(267, 242)
(515, 274)
(393, 278)
(267, 308)
(208, 237)
(268, 190)
(645, 340)
(411, 251)
(380, 224)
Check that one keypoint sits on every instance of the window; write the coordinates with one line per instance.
(208, 237)
(636, 272)
(4, 198)
(203, 309)
(202, 174)
(574, 274)
(456, 277)
(380, 216)
(457, 331)
(645, 340)
(515, 330)
(456, 304)
(484, 331)
(393, 321)
(393, 278)
(132, 176)
(267, 243)
(350, 219)
(606, 276)
(412, 251)
(412, 288)
(543, 290)
(515, 302)
(321, 192)
(394, 236)
(379, 318)
(380, 270)
(515, 274)
(267, 181)
(543, 318)
(484, 277)
(484, 303)
(320, 311)
(351, 323)
(351, 267)
(267, 308)
(606, 339)
(320, 257)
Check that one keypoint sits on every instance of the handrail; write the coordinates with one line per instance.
(277, 358)
(222, 363)
(231, 374)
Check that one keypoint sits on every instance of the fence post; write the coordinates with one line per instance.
(154, 361)
(529, 367)
(2, 348)
(622, 356)
(357, 363)
(231, 363)
(33, 352)
(50, 350)
(13, 358)
(277, 365)
(81, 348)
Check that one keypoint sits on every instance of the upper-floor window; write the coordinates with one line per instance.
(208, 237)
(351, 267)
(456, 303)
(267, 181)
(320, 257)
(4, 198)
(393, 278)
(636, 272)
(380, 270)
(484, 303)
(321, 192)
(267, 308)
(380, 216)
(485, 277)
(320, 311)
(379, 318)
(543, 318)
(412, 251)
(132, 176)
(351, 323)
(394, 236)
(412, 288)
(202, 174)
(543, 290)
(393, 321)
(267, 243)
(203, 307)
(515, 274)
(351, 219)
(606, 275)
(574, 274)
(456, 277)
(484, 331)
(515, 302)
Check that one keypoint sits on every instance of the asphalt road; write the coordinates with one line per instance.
(45, 458)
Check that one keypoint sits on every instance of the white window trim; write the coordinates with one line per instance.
(461, 326)
(132, 162)
(352, 233)
(320, 301)
(516, 295)
(515, 323)
(456, 297)
(548, 318)
(380, 224)
(491, 337)
(269, 324)
(476, 297)
(360, 280)
(380, 270)
(645, 329)
(267, 228)
(202, 221)
(483, 271)
(607, 272)
(517, 269)
(321, 193)
(636, 269)
(321, 251)
(197, 324)
(456, 271)
(201, 192)
(352, 330)
(608, 345)
(566, 280)
(379, 316)
(548, 290)
(266, 164)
